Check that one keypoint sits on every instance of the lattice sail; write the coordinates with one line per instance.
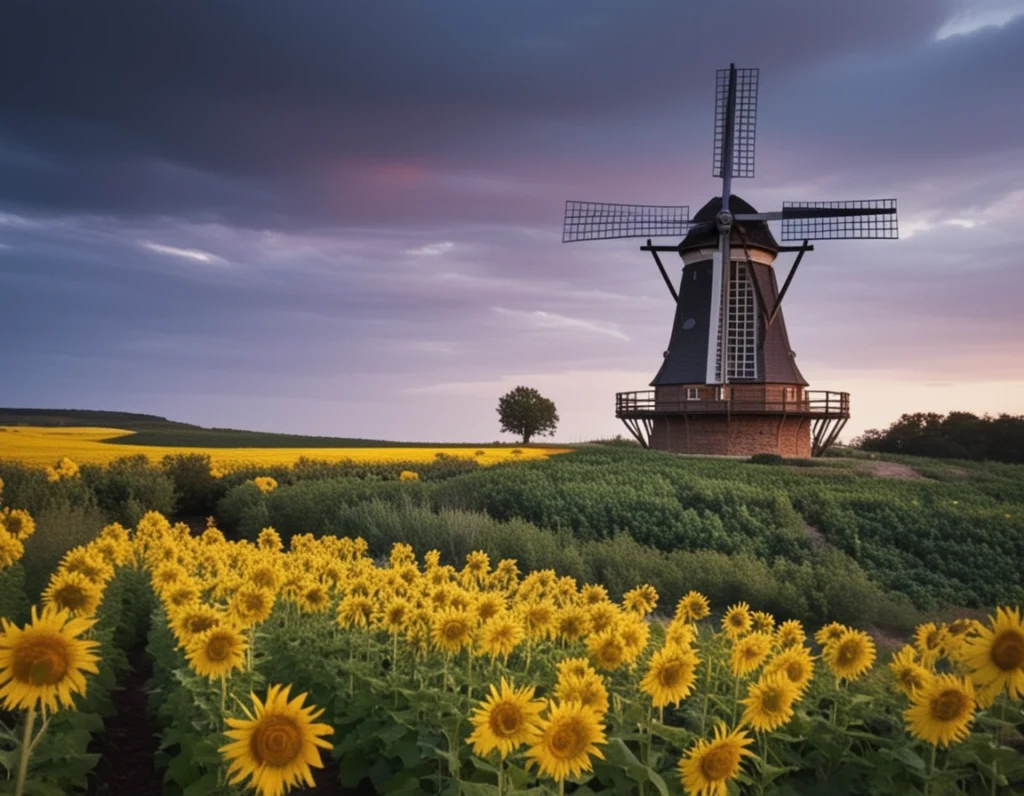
(862, 218)
(744, 121)
(603, 221)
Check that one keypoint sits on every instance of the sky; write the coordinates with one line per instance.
(344, 218)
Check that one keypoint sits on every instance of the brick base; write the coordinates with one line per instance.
(738, 435)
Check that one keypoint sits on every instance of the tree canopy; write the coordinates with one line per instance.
(958, 435)
(526, 412)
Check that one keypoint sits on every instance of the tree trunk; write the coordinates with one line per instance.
(526, 437)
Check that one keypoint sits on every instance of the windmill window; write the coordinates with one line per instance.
(693, 393)
(790, 393)
(741, 330)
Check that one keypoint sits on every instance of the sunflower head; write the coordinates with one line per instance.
(500, 635)
(909, 675)
(995, 656)
(641, 600)
(693, 607)
(505, 720)
(942, 710)
(569, 737)
(737, 620)
(670, 675)
(452, 629)
(607, 649)
(851, 655)
(217, 652)
(276, 744)
(795, 663)
(73, 592)
(769, 702)
(708, 767)
(588, 689)
(790, 634)
(749, 653)
(44, 663)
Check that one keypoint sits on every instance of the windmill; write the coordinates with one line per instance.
(728, 383)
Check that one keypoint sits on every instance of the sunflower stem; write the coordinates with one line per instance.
(735, 700)
(223, 692)
(561, 787)
(469, 672)
(26, 751)
(931, 771)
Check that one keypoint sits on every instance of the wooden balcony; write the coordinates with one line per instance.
(816, 404)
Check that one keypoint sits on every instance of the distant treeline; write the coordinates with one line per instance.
(958, 435)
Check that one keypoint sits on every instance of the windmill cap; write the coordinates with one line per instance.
(758, 234)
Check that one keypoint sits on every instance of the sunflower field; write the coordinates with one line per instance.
(312, 664)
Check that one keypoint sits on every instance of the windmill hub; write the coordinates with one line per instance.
(728, 383)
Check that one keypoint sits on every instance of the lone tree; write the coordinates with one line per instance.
(525, 411)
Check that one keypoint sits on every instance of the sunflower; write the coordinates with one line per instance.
(634, 632)
(190, 621)
(569, 737)
(995, 656)
(506, 720)
(572, 622)
(487, 605)
(276, 744)
(478, 564)
(602, 616)
(500, 635)
(266, 576)
(539, 619)
(762, 622)
(910, 675)
(790, 634)
(74, 592)
(452, 629)
(181, 594)
(693, 607)
(795, 663)
(680, 632)
(851, 655)
(641, 600)
(929, 639)
(355, 611)
(313, 597)
(829, 633)
(588, 689)
(217, 652)
(11, 548)
(395, 615)
(89, 564)
(670, 675)
(270, 541)
(709, 766)
(44, 662)
(737, 621)
(573, 667)
(749, 653)
(18, 522)
(957, 633)
(941, 712)
(606, 649)
(265, 484)
(251, 604)
(593, 594)
(769, 702)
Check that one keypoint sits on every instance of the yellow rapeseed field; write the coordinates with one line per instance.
(44, 446)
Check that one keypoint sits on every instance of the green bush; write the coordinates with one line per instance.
(196, 489)
(129, 487)
(58, 529)
(767, 458)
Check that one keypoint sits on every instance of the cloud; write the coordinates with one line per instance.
(187, 254)
(552, 320)
(431, 249)
(975, 15)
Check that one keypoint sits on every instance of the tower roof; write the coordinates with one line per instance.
(701, 237)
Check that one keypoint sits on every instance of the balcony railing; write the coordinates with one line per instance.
(814, 403)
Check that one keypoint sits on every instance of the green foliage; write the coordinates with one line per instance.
(767, 458)
(129, 487)
(196, 490)
(524, 411)
(58, 529)
(958, 435)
